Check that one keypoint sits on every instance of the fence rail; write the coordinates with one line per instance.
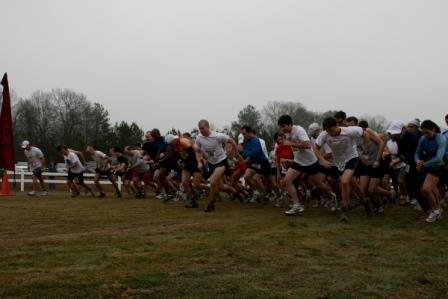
(23, 177)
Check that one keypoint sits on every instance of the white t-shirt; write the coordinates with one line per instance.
(73, 159)
(343, 146)
(213, 146)
(303, 157)
(34, 156)
(392, 147)
(101, 162)
(240, 139)
(325, 149)
(264, 148)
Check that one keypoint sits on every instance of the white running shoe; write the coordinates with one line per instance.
(417, 207)
(279, 201)
(295, 210)
(162, 195)
(31, 193)
(433, 216)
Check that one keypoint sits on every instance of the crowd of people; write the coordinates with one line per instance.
(340, 165)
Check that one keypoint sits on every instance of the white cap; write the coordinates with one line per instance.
(313, 128)
(25, 143)
(396, 127)
(170, 138)
(415, 122)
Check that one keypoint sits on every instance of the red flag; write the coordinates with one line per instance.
(6, 141)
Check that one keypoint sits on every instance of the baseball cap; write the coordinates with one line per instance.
(313, 128)
(170, 138)
(415, 122)
(396, 127)
(25, 143)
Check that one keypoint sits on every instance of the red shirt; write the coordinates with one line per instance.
(284, 152)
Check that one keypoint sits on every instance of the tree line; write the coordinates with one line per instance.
(63, 116)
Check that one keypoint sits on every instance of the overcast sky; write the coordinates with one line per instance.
(171, 63)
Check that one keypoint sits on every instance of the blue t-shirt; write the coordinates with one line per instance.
(253, 150)
(161, 144)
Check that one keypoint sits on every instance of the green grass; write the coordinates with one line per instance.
(88, 248)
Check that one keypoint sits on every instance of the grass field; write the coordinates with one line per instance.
(87, 248)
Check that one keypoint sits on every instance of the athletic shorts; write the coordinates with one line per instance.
(239, 167)
(332, 172)
(439, 172)
(263, 168)
(143, 176)
(378, 173)
(225, 163)
(191, 165)
(362, 170)
(106, 172)
(80, 176)
(368, 170)
(128, 175)
(37, 172)
(312, 169)
(167, 164)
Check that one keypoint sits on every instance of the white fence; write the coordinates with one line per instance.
(23, 177)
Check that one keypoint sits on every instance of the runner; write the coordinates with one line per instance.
(139, 168)
(36, 164)
(211, 146)
(258, 163)
(371, 171)
(407, 145)
(343, 144)
(119, 165)
(102, 169)
(192, 166)
(305, 162)
(430, 158)
(75, 170)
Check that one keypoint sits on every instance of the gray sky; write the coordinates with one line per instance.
(170, 63)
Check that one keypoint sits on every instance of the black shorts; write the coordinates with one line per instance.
(80, 176)
(439, 172)
(225, 163)
(263, 168)
(378, 173)
(332, 172)
(167, 164)
(37, 172)
(118, 173)
(362, 170)
(351, 164)
(445, 177)
(368, 170)
(312, 169)
(191, 166)
(106, 172)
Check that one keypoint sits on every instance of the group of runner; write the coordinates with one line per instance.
(340, 164)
